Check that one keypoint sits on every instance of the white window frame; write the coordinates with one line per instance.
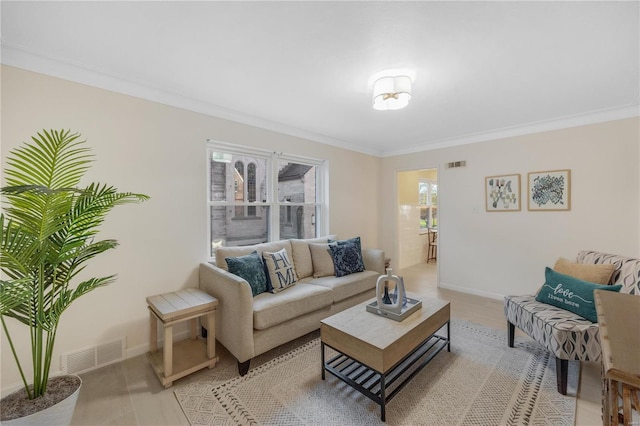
(272, 158)
(430, 183)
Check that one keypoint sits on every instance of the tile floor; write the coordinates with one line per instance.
(129, 393)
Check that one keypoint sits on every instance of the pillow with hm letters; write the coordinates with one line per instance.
(281, 272)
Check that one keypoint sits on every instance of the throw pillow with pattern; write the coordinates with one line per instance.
(281, 272)
(347, 259)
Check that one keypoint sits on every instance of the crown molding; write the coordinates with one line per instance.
(586, 119)
(80, 73)
(20, 57)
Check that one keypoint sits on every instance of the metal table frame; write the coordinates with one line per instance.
(376, 385)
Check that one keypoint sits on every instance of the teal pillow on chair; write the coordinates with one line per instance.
(571, 294)
(251, 269)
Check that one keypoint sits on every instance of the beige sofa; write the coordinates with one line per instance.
(249, 326)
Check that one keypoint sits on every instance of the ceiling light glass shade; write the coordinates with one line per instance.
(391, 92)
(221, 157)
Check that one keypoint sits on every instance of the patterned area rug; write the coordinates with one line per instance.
(480, 382)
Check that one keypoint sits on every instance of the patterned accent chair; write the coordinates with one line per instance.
(568, 336)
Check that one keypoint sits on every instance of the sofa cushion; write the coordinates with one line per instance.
(281, 272)
(251, 269)
(599, 274)
(572, 294)
(223, 252)
(322, 260)
(347, 259)
(565, 334)
(273, 309)
(302, 255)
(347, 286)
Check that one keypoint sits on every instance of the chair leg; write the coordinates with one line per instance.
(243, 367)
(562, 368)
(511, 333)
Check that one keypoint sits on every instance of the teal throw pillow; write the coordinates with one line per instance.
(347, 259)
(251, 269)
(571, 294)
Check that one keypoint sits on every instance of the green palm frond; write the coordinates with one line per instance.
(48, 230)
(13, 293)
(56, 159)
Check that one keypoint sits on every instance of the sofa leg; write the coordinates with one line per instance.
(562, 368)
(511, 333)
(243, 367)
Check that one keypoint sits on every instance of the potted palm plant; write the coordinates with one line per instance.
(49, 225)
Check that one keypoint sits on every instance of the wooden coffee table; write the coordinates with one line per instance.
(378, 356)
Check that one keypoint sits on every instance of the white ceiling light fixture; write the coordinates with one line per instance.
(393, 92)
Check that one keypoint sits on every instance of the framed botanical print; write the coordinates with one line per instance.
(549, 190)
(502, 193)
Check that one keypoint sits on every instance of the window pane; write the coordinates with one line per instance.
(424, 218)
(231, 180)
(297, 221)
(296, 182)
(251, 188)
(218, 220)
(228, 229)
(423, 193)
(218, 179)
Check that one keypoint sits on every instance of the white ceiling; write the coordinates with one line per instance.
(481, 70)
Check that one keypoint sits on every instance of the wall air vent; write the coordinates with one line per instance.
(93, 357)
(455, 164)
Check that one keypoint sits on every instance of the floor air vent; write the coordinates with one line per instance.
(94, 357)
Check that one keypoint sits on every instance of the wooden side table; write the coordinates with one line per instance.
(618, 319)
(179, 359)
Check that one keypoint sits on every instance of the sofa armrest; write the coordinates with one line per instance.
(234, 315)
(373, 260)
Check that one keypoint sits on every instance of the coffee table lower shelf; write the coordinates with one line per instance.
(382, 387)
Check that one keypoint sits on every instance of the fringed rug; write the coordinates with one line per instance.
(480, 382)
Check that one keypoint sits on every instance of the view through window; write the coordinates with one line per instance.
(256, 196)
(428, 201)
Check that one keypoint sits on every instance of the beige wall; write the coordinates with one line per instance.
(495, 254)
(160, 151)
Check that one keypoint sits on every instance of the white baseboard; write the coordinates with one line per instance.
(473, 291)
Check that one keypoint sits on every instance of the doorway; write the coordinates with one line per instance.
(417, 216)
